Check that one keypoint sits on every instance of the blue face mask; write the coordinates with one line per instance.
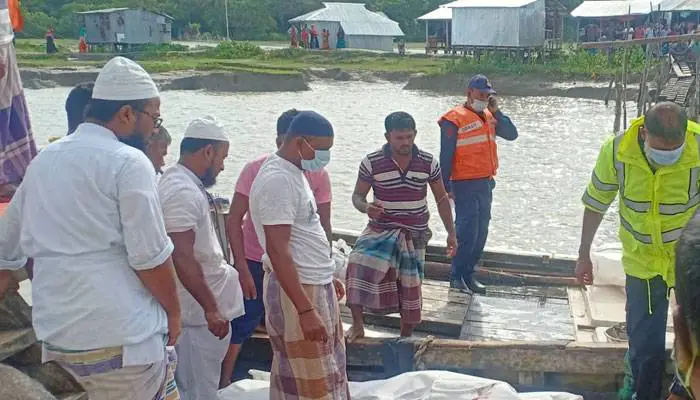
(320, 160)
(663, 157)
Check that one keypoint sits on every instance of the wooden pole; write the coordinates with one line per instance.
(643, 88)
(637, 42)
(697, 88)
(625, 58)
(618, 106)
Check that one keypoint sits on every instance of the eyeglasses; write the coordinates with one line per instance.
(157, 121)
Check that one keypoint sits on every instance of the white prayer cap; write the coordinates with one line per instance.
(206, 127)
(122, 80)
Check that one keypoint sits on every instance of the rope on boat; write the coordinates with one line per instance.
(422, 348)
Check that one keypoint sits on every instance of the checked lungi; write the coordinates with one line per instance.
(303, 369)
(101, 374)
(385, 272)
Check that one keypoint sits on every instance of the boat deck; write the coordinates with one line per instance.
(505, 313)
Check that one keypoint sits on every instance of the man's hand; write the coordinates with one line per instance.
(493, 104)
(584, 270)
(451, 245)
(250, 292)
(312, 326)
(339, 289)
(174, 329)
(374, 210)
(218, 326)
(7, 284)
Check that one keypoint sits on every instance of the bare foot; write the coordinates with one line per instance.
(354, 333)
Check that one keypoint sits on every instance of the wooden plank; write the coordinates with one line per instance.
(524, 356)
(637, 42)
(14, 341)
(533, 319)
(443, 311)
(531, 263)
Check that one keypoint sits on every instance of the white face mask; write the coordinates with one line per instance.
(478, 105)
(663, 157)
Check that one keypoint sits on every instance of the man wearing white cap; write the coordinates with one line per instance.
(208, 289)
(104, 291)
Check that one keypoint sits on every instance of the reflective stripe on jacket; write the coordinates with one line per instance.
(476, 155)
(654, 206)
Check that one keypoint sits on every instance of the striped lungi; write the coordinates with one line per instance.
(303, 369)
(385, 272)
(17, 146)
(103, 377)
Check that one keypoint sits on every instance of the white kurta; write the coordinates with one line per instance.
(200, 353)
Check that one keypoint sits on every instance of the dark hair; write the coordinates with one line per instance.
(192, 145)
(76, 102)
(666, 120)
(105, 110)
(399, 120)
(162, 136)
(688, 274)
(285, 120)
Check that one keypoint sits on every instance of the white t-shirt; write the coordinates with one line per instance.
(281, 195)
(186, 207)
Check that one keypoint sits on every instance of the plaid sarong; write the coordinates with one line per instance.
(385, 272)
(93, 368)
(17, 147)
(302, 369)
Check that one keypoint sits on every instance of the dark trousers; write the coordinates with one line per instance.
(473, 213)
(647, 312)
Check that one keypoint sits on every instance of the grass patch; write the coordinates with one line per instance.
(249, 57)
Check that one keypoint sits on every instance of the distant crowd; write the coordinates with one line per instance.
(615, 30)
(308, 38)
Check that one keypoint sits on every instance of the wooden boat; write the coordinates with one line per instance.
(532, 329)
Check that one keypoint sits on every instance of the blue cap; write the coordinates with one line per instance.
(481, 82)
(310, 123)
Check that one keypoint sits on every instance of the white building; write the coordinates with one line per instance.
(363, 28)
(498, 23)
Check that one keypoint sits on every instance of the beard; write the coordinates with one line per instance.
(209, 178)
(137, 141)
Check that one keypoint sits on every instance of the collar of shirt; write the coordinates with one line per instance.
(286, 164)
(191, 174)
(97, 130)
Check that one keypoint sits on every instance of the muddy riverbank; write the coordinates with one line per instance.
(232, 82)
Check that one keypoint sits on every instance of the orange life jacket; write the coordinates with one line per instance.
(476, 156)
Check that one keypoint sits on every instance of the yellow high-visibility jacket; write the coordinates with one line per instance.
(654, 206)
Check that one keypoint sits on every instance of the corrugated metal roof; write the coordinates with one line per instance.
(441, 13)
(355, 19)
(111, 10)
(103, 11)
(679, 5)
(489, 3)
(612, 8)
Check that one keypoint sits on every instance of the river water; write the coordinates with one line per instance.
(537, 205)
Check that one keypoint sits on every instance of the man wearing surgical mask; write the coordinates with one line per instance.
(301, 308)
(469, 161)
(655, 168)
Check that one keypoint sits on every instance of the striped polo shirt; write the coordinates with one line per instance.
(403, 194)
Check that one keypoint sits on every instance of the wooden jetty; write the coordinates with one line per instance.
(669, 78)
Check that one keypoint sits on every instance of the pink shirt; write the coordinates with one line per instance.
(320, 184)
